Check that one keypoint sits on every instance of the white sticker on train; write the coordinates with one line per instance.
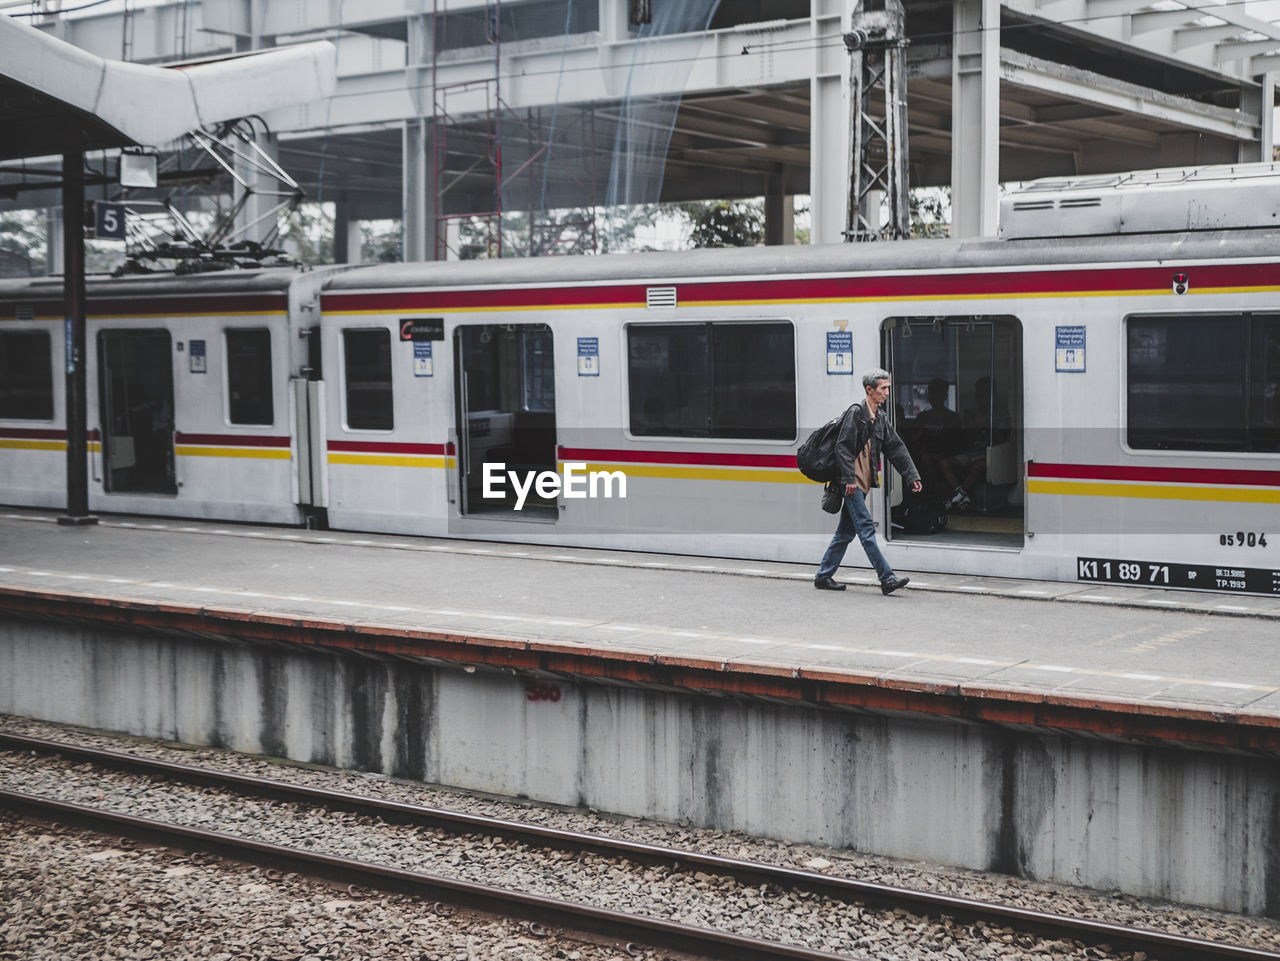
(574, 484)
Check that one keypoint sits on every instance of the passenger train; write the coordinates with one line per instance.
(1113, 359)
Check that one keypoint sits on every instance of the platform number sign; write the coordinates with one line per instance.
(108, 220)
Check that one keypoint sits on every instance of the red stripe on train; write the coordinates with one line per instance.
(907, 286)
(1177, 475)
(383, 447)
(700, 458)
(33, 433)
(144, 306)
(231, 440)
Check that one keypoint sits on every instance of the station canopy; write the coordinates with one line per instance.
(56, 98)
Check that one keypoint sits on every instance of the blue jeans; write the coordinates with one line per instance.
(855, 518)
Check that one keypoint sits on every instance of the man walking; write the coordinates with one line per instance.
(863, 435)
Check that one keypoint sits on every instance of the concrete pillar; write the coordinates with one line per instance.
(975, 119)
(1260, 103)
(348, 239)
(418, 181)
(779, 214)
(830, 137)
(419, 196)
(255, 219)
(53, 241)
(613, 20)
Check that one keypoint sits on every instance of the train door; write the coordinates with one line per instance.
(957, 403)
(135, 375)
(506, 404)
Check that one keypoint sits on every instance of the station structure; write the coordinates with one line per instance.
(545, 110)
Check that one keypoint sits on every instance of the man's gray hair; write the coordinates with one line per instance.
(873, 376)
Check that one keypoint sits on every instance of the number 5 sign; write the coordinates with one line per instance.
(108, 220)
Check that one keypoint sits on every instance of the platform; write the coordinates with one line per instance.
(975, 636)
(1121, 739)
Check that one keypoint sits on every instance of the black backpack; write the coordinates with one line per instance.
(920, 515)
(816, 457)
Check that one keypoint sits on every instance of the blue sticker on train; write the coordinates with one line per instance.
(588, 356)
(839, 352)
(423, 365)
(1068, 355)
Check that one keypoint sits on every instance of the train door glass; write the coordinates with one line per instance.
(135, 377)
(506, 416)
(957, 403)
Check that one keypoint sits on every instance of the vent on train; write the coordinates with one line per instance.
(1068, 202)
(24, 312)
(660, 297)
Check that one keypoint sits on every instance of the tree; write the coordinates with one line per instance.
(307, 233)
(726, 223)
(22, 242)
(381, 241)
(577, 230)
(930, 211)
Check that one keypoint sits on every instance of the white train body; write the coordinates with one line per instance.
(1131, 416)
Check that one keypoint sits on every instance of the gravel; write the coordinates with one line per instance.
(690, 897)
(69, 895)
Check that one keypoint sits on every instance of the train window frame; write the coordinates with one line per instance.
(346, 381)
(45, 391)
(711, 434)
(229, 379)
(1245, 424)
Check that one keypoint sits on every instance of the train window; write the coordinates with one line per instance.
(26, 375)
(367, 356)
(249, 376)
(1204, 382)
(713, 380)
(539, 379)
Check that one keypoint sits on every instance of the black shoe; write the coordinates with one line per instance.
(827, 584)
(892, 584)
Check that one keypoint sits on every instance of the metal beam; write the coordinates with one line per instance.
(1244, 49)
(1141, 23)
(1186, 38)
(1085, 86)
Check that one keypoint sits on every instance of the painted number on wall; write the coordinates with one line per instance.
(542, 692)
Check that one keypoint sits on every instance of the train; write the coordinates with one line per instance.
(1112, 361)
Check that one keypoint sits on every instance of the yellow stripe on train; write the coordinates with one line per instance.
(263, 453)
(392, 460)
(1181, 492)
(34, 444)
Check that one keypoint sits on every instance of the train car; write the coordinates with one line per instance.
(1111, 365)
(192, 388)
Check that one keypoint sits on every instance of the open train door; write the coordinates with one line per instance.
(506, 405)
(135, 377)
(957, 403)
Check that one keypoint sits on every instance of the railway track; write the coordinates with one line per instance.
(544, 910)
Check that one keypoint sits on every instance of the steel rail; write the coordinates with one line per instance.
(504, 902)
(1168, 947)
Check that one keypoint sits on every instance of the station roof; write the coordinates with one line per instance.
(55, 97)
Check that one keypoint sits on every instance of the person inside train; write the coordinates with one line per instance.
(936, 434)
(964, 471)
(863, 435)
